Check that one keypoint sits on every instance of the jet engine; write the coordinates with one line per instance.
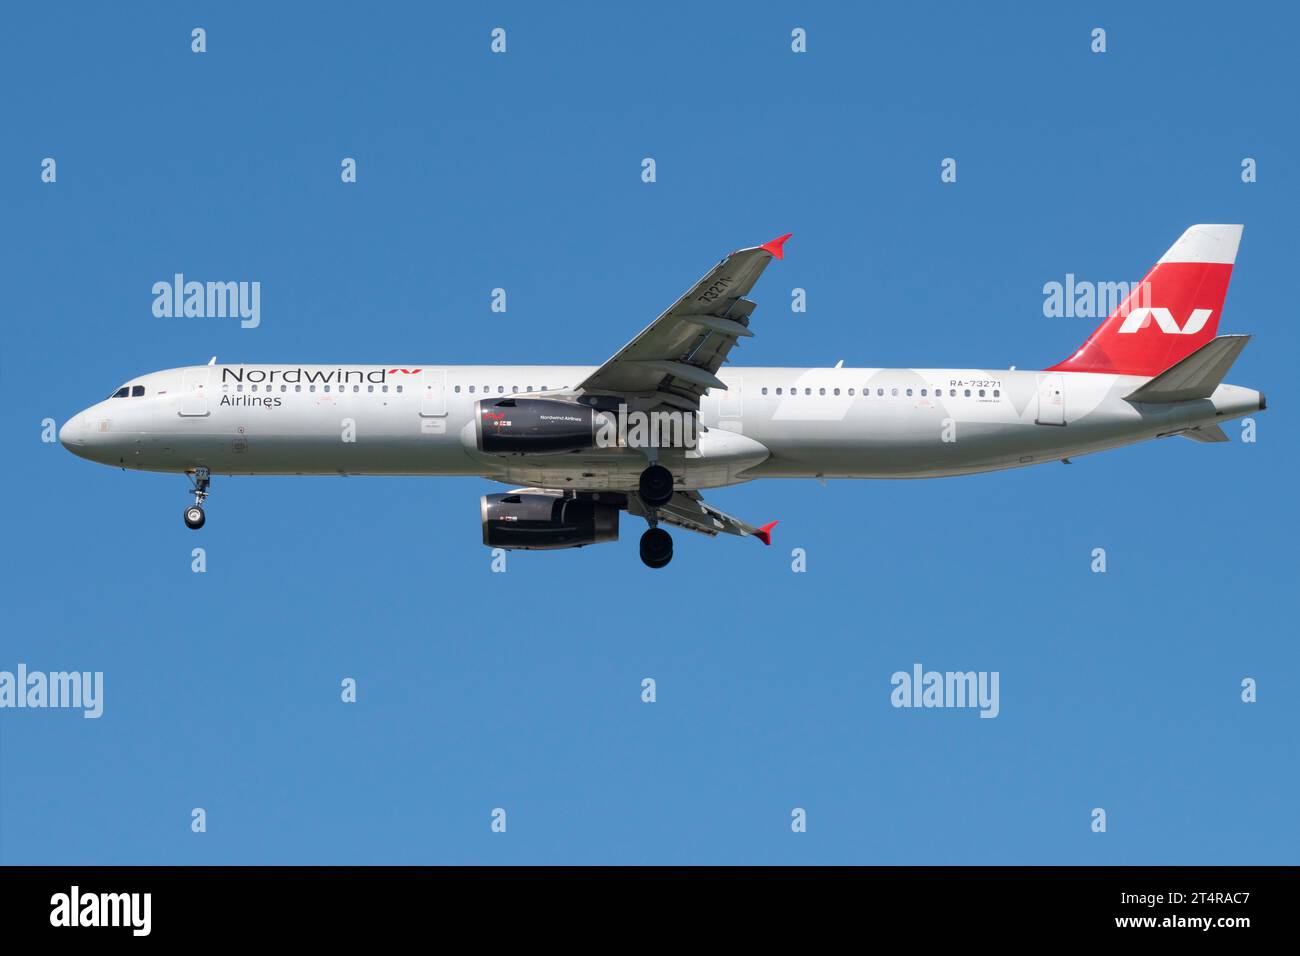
(535, 426)
(531, 521)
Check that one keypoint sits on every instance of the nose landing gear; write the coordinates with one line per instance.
(200, 478)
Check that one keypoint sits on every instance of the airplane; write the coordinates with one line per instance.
(661, 421)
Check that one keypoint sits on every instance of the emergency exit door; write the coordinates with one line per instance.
(433, 393)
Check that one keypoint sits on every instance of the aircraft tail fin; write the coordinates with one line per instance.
(1196, 376)
(1170, 314)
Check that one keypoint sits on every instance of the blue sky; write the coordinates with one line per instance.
(522, 690)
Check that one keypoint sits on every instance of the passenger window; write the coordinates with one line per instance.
(850, 391)
(457, 389)
(514, 388)
(968, 393)
(909, 393)
(297, 388)
(311, 388)
(285, 388)
(952, 393)
(500, 389)
(836, 391)
(371, 388)
(997, 393)
(880, 391)
(893, 392)
(137, 391)
(764, 391)
(778, 391)
(923, 393)
(254, 388)
(981, 393)
(239, 387)
(471, 389)
(356, 388)
(399, 388)
(807, 391)
(821, 391)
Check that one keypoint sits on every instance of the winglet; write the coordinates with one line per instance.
(764, 533)
(774, 247)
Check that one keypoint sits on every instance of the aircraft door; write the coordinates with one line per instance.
(731, 403)
(1051, 399)
(433, 393)
(194, 392)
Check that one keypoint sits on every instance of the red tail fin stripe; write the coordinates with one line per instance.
(1170, 314)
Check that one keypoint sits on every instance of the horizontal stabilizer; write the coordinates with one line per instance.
(1196, 376)
(1209, 432)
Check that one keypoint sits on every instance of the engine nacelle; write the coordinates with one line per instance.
(528, 521)
(534, 426)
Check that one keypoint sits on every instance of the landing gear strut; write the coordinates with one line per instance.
(200, 478)
(656, 548)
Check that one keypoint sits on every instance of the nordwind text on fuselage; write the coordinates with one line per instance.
(300, 376)
(296, 376)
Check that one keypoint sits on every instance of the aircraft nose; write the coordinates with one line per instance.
(73, 433)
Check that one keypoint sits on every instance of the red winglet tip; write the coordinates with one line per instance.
(774, 247)
(764, 533)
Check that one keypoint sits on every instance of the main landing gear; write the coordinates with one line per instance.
(656, 547)
(200, 478)
(656, 490)
(656, 487)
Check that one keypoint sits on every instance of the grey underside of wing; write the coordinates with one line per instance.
(675, 359)
(688, 510)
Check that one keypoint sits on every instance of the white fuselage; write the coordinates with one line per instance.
(770, 422)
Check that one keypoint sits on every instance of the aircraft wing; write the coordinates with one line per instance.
(676, 357)
(688, 510)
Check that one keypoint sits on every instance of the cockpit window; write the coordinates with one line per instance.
(137, 391)
(122, 392)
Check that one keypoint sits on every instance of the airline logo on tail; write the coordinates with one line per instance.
(1191, 280)
(1166, 321)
